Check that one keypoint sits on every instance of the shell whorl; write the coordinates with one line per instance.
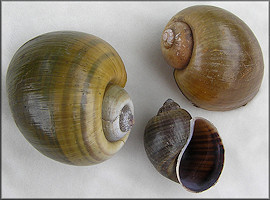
(161, 143)
(225, 70)
(56, 83)
(117, 113)
(184, 149)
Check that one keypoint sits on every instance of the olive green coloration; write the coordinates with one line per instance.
(55, 84)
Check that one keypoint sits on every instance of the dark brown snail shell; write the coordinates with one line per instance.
(217, 59)
(185, 150)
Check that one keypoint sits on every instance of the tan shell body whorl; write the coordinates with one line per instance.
(56, 83)
(226, 66)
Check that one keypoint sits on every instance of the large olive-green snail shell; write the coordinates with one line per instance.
(65, 91)
(184, 149)
(217, 59)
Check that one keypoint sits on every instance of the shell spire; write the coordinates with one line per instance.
(217, 59)
(117, 113)
(57, 84)
(184, 149)
(168, 106)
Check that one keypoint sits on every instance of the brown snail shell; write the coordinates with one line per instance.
(184, 149)
(217, 59)
(65, 91)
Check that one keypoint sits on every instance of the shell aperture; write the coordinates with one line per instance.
(184, 149)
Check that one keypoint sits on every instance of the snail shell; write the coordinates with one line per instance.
(184, 149)
(66, 95)
(217, 59)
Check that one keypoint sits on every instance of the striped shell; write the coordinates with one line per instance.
(184, 149)
(225, 68)
(56, 83)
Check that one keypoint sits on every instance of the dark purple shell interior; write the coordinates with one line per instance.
(202, 162)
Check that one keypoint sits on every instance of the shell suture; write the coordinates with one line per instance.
(224, 69)
(56, 83)
(184, 149)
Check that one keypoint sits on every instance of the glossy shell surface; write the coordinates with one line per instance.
(201, 163)
(226, 67)
(55, 84)
(186, 150)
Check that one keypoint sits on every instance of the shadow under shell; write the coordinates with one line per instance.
(202, 161)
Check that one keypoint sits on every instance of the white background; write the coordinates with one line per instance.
(134, 30)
